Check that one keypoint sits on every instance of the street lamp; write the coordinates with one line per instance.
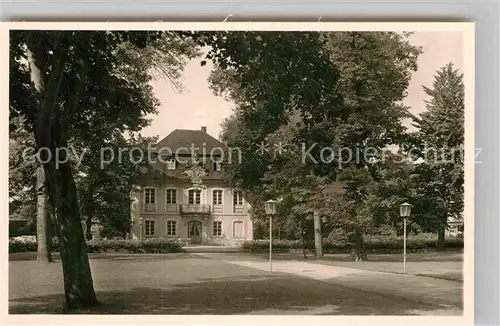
(404, 211)
(270, 206)
(140, 228)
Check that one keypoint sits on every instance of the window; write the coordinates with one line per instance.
(149, 227)
(171, 163)
(194, 196)
(217, 166)
(238, 229)
(150, 196)
(217, 197)
(171, 228)
(217, 228)
(238, 198)
(171, 196)
(150, 200)
(237, 202)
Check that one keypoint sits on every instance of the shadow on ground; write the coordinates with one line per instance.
(438, 256)
(236, 295)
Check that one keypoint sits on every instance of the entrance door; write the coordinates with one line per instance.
(194, 231)
(238, 229)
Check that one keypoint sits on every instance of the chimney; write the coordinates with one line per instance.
(204, 128)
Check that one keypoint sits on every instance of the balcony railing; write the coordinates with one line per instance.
(195, 209)
(238, 209)
(217, 208)
(150, 207)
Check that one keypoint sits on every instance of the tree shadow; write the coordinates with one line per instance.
(276, 295)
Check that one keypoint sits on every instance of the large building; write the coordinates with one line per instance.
(184, 196)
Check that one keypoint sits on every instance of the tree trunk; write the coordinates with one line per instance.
(78, 283)
(88, 234)
(318, 235)
(303, 235)
(43, 224)
(51, 133)
(358, 252)
(440, 241)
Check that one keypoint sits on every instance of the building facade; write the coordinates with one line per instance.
(184, 196)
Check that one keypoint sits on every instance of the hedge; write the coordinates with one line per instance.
(260, 246)
(21, 227)
(22, 244)
(375, 244)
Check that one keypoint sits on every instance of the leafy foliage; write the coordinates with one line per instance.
(440, 140)
(104, 190)
(22, 177)
(341, 91)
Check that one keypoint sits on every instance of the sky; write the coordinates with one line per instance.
(197, 106)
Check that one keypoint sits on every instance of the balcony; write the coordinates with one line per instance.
(195, 209)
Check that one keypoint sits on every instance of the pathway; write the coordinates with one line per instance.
(420, 289)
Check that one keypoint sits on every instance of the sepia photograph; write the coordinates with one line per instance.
(240, 169)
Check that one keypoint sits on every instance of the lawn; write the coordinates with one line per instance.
(192, 284)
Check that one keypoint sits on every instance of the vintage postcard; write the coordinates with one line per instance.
(239, 172)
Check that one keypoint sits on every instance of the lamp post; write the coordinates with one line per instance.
(140, 228)
(270, 206)
(404, 211)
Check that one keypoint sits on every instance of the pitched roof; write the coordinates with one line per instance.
(183, 138)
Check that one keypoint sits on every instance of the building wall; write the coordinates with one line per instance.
(226, 214)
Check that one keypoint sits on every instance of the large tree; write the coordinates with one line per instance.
(440, 140)
(75, 88)
(104, 189)
(341, 91)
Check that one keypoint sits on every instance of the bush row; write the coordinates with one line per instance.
(378, 244)
(123, 246)
(157, 246)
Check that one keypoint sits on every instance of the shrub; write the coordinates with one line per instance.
(162, 246)
(261, 246)
(18, 228)
(454, 242)
(337, 238)
(21, 244)
(386, 231)
(338, 243)
(135, 246)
